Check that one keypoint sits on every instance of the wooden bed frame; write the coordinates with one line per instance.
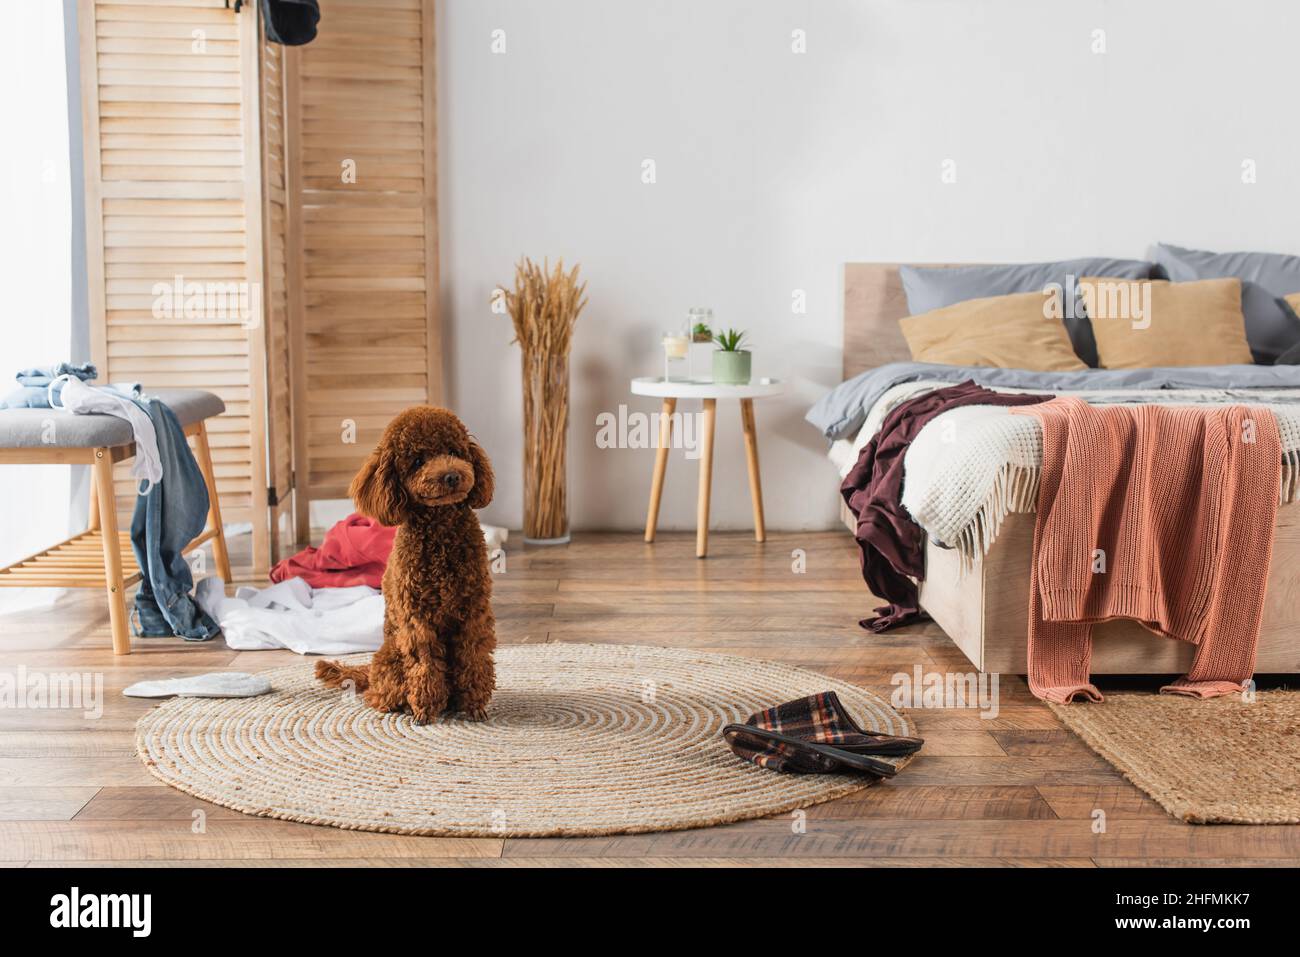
(986, 613)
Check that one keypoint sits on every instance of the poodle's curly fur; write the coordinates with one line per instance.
(426, 475)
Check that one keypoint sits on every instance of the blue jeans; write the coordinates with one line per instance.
(165, 521)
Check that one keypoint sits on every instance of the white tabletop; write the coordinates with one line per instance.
(705, 388)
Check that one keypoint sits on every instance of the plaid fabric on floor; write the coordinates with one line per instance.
(778, 739)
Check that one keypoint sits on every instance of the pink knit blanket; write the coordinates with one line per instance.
(1161, 514)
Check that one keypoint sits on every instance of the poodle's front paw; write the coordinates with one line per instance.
(474, 714)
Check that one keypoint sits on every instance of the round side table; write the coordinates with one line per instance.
(709, 393)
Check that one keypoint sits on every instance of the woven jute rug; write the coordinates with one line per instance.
(579, 740)
(1221, 761)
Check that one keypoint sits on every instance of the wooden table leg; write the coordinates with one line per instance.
(706, 478)
(102, 478)
(661, 466)
(751, 455)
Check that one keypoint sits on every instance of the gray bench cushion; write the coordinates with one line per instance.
(26, 428)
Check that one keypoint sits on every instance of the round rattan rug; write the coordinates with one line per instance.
(579, 740)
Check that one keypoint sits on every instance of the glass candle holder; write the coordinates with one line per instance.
(677, 346)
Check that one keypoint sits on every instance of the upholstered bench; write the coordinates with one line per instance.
(101, 556)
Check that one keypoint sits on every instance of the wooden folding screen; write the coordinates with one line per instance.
(275, 219)
(304, 178)
(363, 234)
(173, 168)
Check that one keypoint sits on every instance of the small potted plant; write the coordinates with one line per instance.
(731, 363)
(701, 332)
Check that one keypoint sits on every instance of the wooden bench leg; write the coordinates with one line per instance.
(102, 480)
(219, 552)
(92, 517)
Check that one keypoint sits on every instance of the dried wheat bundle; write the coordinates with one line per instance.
(544, 307)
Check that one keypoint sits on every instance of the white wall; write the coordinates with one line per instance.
(774, 168)
(35, 258)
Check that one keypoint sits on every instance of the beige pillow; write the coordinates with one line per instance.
(1141, 323)
(1020, 331)
(1293, 301)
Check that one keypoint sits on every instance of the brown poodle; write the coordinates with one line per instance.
(426, 475)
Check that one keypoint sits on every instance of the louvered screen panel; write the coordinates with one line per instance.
(362, 95)
(173, 190)
(275, 226)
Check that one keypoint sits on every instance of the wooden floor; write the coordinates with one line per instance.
(1017, 790)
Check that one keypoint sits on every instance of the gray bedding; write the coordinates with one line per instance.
(841, 412)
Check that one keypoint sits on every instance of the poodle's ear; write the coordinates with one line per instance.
(480, 496)
(378, 491)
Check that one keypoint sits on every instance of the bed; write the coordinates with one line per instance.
(977, 591)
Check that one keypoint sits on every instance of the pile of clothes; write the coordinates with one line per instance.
(326, 600)
(355, 552)
(171, 506)
(294, 615)
(38, 384)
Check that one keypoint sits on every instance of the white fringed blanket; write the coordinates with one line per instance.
(971, 467)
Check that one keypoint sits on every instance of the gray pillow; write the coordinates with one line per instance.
(928, 289)
(1289, 358)
(1271, 326)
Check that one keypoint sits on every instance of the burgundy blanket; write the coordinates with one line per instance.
(892, 545)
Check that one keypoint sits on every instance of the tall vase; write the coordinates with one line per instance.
(546, 431)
